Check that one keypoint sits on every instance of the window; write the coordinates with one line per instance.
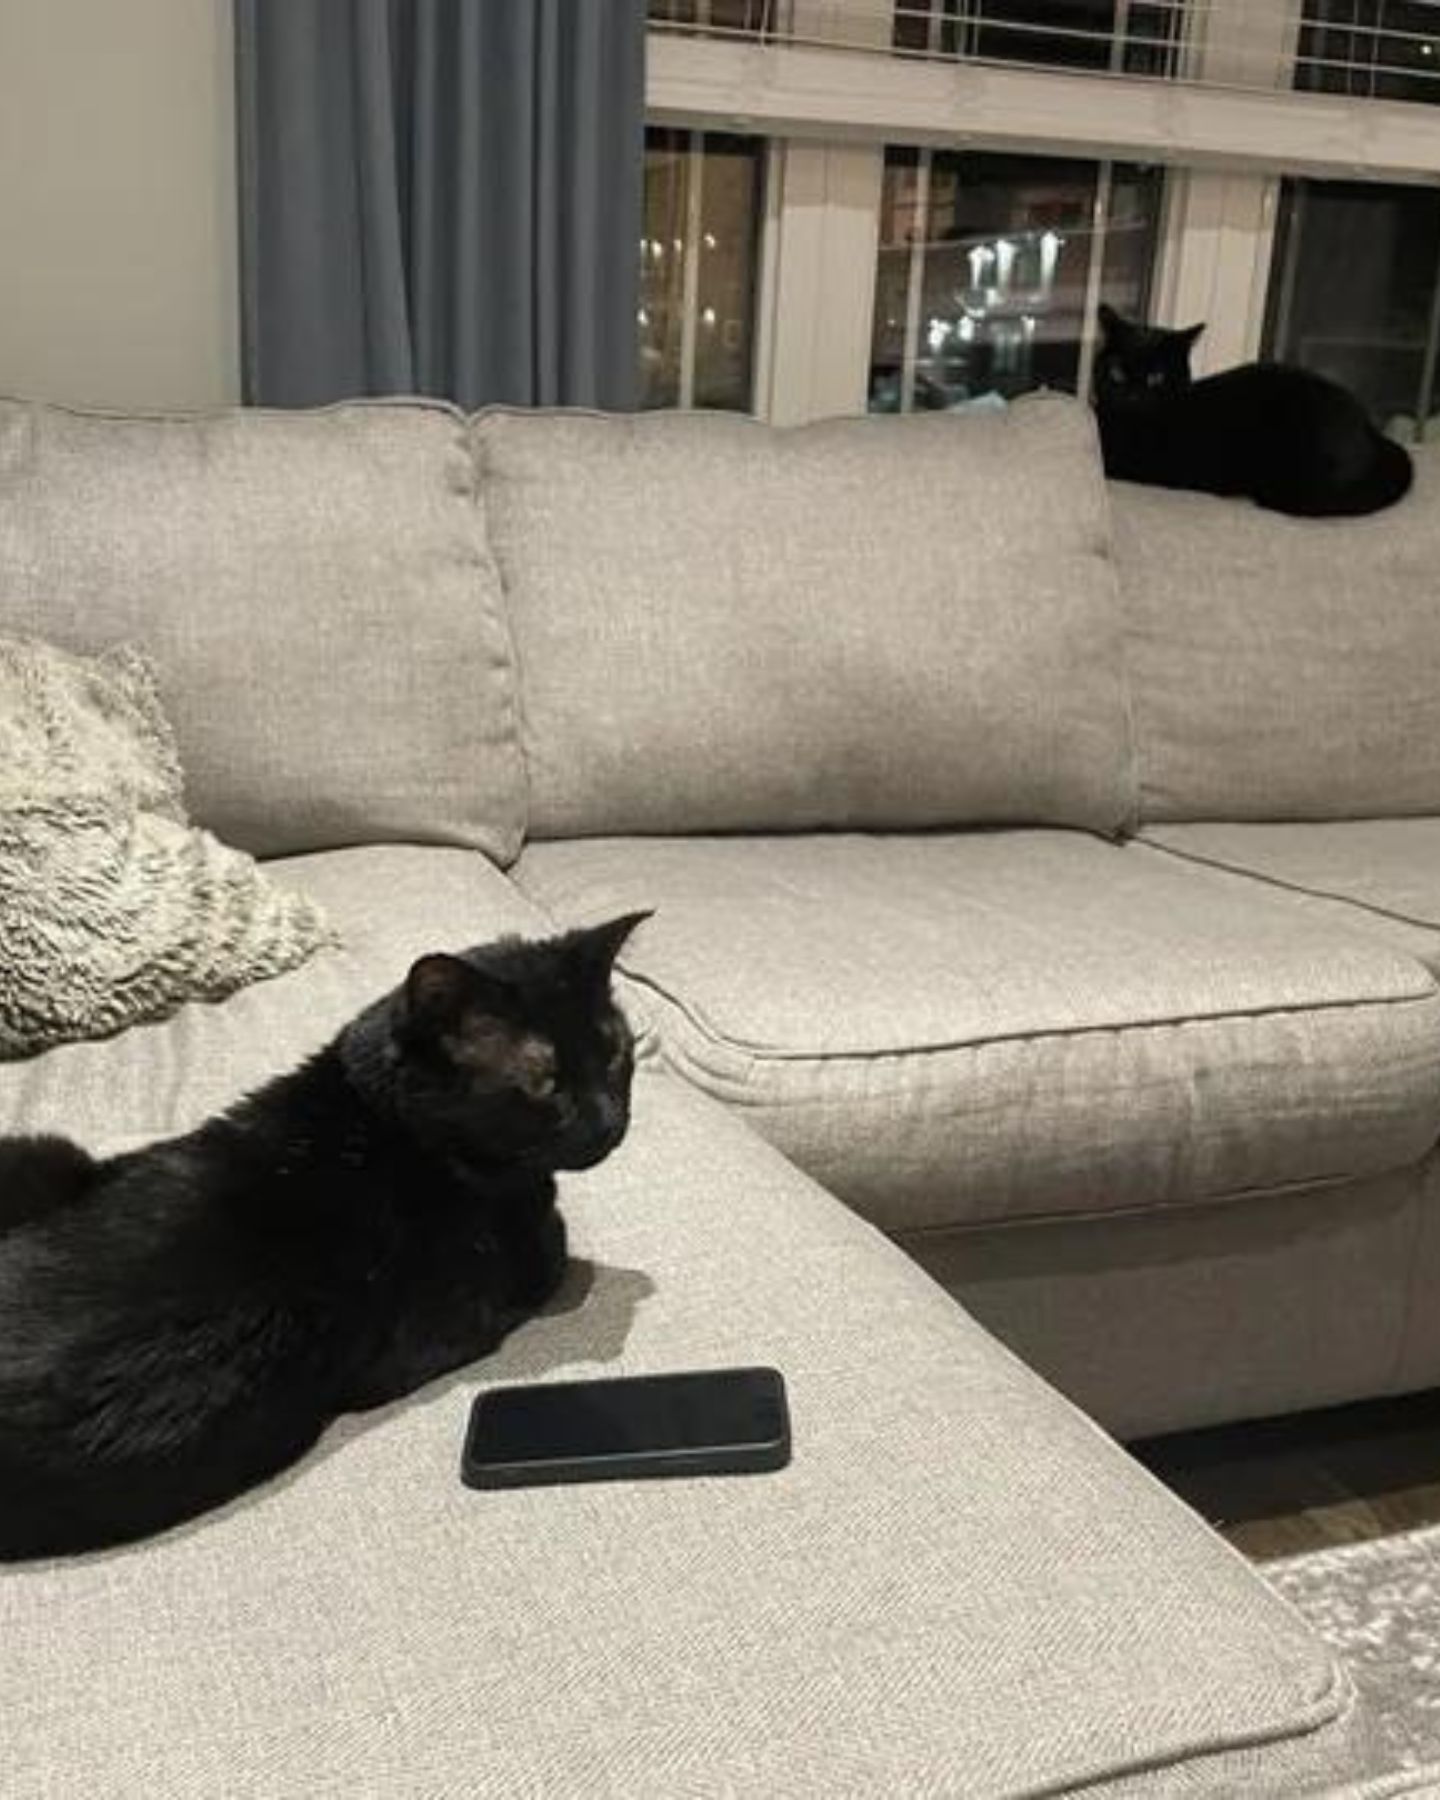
(743, 17)
(1354, 288)
(1138, 39)
(697, 268)
(990, 270)
(810, 271)
(1379, 49)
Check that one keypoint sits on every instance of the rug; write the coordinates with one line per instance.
(1378, 1603)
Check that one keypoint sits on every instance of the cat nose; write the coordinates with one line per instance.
(608, 1119)
(608, 1122)
(601, 1131)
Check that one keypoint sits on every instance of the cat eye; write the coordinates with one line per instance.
(1154, 379)
(534, 1068)
(1117, 374)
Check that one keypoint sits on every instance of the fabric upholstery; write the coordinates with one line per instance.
(956, 1028)
(959, 1586)
(316, 593)
(1384, 874)
(389, 903)
(718, 630)
(1282, 668)
(1200, 1315)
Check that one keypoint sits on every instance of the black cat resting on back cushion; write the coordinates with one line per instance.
(179, 1323)
(1284, 437)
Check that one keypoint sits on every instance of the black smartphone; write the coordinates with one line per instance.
(713, 1422)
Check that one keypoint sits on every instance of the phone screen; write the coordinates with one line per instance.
(709, 1421)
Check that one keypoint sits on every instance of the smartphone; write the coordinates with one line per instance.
(713, 1422)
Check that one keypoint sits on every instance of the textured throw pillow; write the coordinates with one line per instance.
(113, 909)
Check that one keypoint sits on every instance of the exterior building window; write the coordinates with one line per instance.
(697, 268)
(1354, 291)
(1136, 39)
(1371, 49)
(745, 18)
(808, 270)
(991, 269)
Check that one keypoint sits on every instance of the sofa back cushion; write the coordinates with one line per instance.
(1283, 668)
(315, 591)
(868, 622)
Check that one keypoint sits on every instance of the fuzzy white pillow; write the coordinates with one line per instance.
(114, 909)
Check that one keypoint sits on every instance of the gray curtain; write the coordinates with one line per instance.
(440, 197)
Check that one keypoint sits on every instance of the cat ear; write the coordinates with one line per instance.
(1110, 321)
(440, 990)
(434, 992)
(601, 944)
(1192, 332)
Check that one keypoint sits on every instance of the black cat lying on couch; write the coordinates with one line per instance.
(1285, 437)
(180, 1323)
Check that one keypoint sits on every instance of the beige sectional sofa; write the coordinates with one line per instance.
(891, 723)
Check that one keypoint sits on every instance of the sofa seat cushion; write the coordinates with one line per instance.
(389, 903)
(1380, 875)
(962, 1028)
(959, 1586)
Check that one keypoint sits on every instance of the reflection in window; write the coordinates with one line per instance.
(1382, 49)
(991, 269)
(1353, 291)
(697, 268)
(744, 17)
(1128, 36)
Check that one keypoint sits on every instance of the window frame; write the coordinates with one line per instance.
(693, 149)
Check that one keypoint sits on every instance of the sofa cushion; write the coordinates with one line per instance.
(1179, 1318)
(316, 593)
(958, 1028)
(722, 626)
(1381, 876)
(1283, 668)
(390, 904)
(959, 1586)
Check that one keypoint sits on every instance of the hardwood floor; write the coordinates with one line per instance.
(1287, 1485)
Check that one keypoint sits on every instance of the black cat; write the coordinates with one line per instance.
(180, 1323)
(1286, 438)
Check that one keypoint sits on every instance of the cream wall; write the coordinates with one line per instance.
(117, 202)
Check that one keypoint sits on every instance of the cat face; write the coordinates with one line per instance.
(515, 1053)
(1140, 365)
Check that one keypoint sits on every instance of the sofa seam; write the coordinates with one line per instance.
(756, 1053)
(1292, 887)
(1129, 637)
(227, 409)
(1133, 820)
(1334, 1704)
(505, 628)
(510, 409)
(906, 1235)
